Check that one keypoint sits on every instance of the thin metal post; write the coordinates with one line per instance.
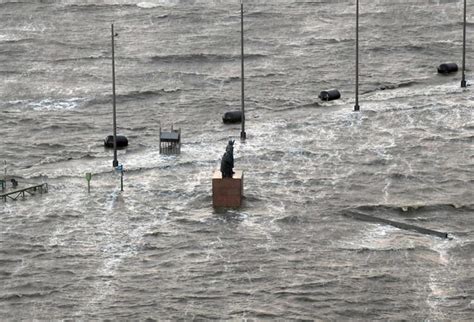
(88, 178)
(4, 182)
(243, 135)
(356, 106)
(463, 81)
(115, 162)
(121, 180)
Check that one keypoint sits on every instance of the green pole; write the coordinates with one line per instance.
(88, 178)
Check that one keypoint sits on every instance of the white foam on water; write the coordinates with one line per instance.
(52, 104)
(440, 282)
(378, 238)
(119, 243)
(156, 3)
(386, 188)
(10, 37)
(412, 91)
(436, 297)
(148, 5)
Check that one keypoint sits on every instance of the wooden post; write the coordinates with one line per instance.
(159, 139)
(4, 182)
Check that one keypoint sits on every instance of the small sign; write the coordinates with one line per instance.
(88, 178)
(119, 168)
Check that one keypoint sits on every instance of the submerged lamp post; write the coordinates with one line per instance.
(463, 81)
(115, 162)
(356, 106)
(243, 135)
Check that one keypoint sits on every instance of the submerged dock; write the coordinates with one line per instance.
(30, 190)
(397, 224)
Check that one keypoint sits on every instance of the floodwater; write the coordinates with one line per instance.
(159, 250)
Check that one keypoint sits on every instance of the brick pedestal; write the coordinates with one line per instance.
(227, 192)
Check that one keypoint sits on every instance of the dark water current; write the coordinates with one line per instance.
(159, 250)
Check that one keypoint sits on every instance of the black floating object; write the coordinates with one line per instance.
(330, 95)
(232, 117)
(447, 68)
(122, 141)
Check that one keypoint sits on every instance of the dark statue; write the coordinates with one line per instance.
(227, 163)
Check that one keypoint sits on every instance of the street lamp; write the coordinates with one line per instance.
(463, 81)
(115, 162)
(243, 135)
(356, 106)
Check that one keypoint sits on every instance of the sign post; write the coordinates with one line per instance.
(119, 168)
(4, 181)
(88, 178)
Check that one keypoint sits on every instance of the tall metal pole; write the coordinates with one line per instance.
(243, 135)
(115, 162)
(4, 186)
(356, 106)
(463, 81)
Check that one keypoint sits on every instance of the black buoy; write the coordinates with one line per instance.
(122, 141)
(447, 68)
(330, 95)
(232, 117)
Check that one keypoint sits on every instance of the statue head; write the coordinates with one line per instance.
(230, 146)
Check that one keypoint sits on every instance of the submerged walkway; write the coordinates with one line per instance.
(399, 225)
(15, 194)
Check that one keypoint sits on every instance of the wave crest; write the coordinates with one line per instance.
(203, 58)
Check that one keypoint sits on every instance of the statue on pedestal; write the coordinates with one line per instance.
(227, 163)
